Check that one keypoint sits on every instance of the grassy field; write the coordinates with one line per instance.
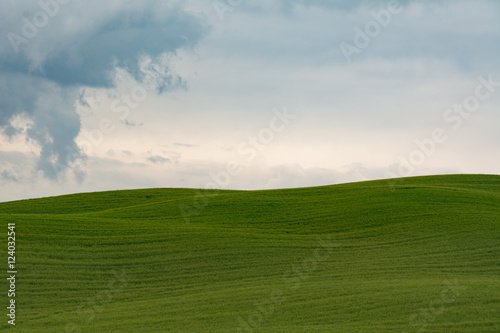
(421, 255)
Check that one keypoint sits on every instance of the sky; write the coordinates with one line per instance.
(244, 94)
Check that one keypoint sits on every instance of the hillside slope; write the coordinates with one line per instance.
(421, 255)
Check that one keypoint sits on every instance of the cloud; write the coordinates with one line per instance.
(10, 176)
(329, 4)
(82, 100)
(45, 65)
(310, 32)
(14, 168)
(132, 124)
(158, 159)
(186, 145)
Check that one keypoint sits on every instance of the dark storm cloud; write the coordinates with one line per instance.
(41, 76)
(89, 58)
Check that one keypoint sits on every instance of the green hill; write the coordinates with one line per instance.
(421, 255)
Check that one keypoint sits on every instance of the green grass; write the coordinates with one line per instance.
(360, 257)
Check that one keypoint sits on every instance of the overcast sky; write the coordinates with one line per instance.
(244, 94)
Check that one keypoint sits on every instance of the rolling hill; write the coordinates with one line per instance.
(421, 254)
